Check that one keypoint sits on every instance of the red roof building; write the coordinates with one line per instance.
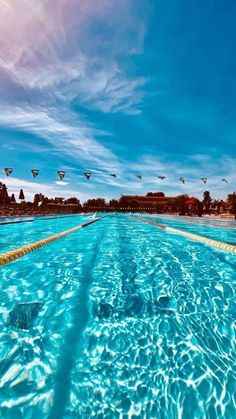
(147, 201)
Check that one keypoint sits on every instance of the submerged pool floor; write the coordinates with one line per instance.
(118, 320)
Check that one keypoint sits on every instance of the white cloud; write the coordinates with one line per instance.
(55, 51)
(51, 50)
(69, 137)
(61, 183)
(205, 166)
(102, 184)
(30, 188)
(55, 56)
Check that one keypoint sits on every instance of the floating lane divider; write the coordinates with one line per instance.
(201, 239)
(31, 220)
(199, 223)
(2, 223)
(28, 248)
(55, 218)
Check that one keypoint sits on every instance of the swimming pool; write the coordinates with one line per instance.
(223, 231)
(16, 235)
(128, 321)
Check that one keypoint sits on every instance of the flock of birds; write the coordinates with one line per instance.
(61, 174)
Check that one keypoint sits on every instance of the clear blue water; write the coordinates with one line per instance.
(205, 220)
(133, 322)
(225, 233)
(17, 235)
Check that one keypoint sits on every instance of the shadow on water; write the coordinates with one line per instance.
(80, 318)
(224, 258)
(130, 301)
(23, 314)
(128, 269)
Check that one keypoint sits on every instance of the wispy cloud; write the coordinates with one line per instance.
(65, 79)
(54, 60)
(61, 183)
(55, 51)
(193, 168)
(70, 137)
(102, 184)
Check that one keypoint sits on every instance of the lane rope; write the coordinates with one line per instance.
(199, 223)
(8, 257)
(30, 220)
(2, 223)
(201, 239)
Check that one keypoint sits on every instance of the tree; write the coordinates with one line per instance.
(96, 203)
(231, 200)
(58, 200)
(4, 198)
(21, 195)
(38, 197)
(207, 200)
(215, 205)
(222, 205)
(113, 204)
(45, 201)
(73, 200)
(179, 204)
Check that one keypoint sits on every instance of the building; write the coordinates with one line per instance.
(153, 200)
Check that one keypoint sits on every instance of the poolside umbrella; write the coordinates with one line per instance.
(35, 172)
(61, 174)
(181, 179)
(139, 177)
(204, 179)
(13, 199)
(224, 180)
(8, 171)
(161, 177)
(113, 174)
(21, 195)
(87, 175)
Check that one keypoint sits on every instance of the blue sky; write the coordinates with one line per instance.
(116, 86)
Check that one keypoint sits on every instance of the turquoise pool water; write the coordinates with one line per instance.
(16, 235)
(128, 321)
(223, 231)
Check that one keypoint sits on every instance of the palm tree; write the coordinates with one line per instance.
(231, 200)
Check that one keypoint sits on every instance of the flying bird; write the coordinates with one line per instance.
(161, 177)
(224, 180)
(181, 179)
(204, 179)
(113, 174)
(139, 177)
